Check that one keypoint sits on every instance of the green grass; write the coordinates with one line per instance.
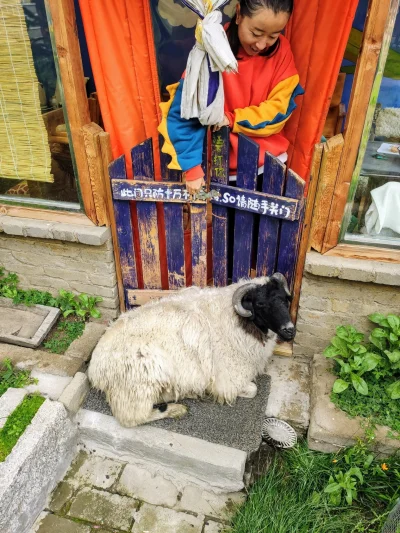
(12, 377)
(291, 498)
(67, 331)
(17, 422)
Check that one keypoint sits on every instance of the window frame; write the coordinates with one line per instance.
(64, 35)
(368, 75)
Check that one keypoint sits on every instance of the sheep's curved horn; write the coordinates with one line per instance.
(281, 278)
(238, 296)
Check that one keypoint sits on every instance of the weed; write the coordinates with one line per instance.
(64, 335)
(292, 497)
(12, 377)
(81, 305)
(17, 422)
(368, 372)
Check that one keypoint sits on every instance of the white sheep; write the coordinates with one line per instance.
(212, 341)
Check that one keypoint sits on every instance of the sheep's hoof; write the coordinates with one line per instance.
(250, 391)
(177, 410)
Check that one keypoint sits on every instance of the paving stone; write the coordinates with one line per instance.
(213, 527)
(60, 496)
(103, 508)
(94, 470)
(139, 483)
(48, 385)
(289, 398)
(161, 520)
(55, 524)
(75, 393)
(83, 346)
(221, 506)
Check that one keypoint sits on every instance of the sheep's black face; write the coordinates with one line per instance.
(269, 305)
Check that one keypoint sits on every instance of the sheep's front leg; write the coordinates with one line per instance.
(250, 391)
(170, 410)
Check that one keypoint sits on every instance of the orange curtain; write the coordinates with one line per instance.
(120, 41)
(318, 32)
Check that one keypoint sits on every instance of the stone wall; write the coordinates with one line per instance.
(338, 291)
(82, 262)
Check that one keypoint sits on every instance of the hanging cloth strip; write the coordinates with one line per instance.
(203, 91)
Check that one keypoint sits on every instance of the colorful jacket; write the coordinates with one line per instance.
(259, 100)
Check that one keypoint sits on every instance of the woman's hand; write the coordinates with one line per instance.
(194, 186)
(225, 122)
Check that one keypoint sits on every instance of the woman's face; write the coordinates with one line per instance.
(260, 31)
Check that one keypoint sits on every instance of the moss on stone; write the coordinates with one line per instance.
(17, 422)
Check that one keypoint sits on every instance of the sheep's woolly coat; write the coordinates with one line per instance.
(187, 344)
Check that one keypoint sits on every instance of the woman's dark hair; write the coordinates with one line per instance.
(247, 9)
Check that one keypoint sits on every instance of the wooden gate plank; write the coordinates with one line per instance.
(198, 226)
(142, 164)
(198, 219)
(174, 231)
(244, 222)
(268, 235)
(291, 231)
(220, 174)
(117, 170)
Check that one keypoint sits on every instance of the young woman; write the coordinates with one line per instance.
(259, 99)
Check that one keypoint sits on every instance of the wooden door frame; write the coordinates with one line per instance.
(377, 26)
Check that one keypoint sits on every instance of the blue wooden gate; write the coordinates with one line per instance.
(266, 223)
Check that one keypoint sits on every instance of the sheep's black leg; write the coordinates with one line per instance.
(162, 407)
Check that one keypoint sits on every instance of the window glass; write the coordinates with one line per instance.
(373, 211)
(37, 160)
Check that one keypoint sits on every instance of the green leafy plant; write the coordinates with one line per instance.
(13, 377)
(81, 305)
(353, 358)
(368, 370)
(344, 483)
(386, 340)
(86, 305)
(17, 422)
(64, 335)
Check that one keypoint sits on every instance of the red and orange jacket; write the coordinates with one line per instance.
(259, 100)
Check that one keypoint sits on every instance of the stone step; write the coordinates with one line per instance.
(168, 453)
(289, 397)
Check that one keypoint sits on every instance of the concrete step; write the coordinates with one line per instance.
(221, 438)
(163, 452)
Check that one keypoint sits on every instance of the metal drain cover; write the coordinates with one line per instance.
(278, 433)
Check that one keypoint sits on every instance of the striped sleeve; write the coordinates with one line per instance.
(183, 139)
(270, 116)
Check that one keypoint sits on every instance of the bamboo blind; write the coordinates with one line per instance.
(24, 147)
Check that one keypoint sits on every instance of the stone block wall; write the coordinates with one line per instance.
(84, 263)
(338, 291)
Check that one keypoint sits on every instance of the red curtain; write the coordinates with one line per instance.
(318, 32)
